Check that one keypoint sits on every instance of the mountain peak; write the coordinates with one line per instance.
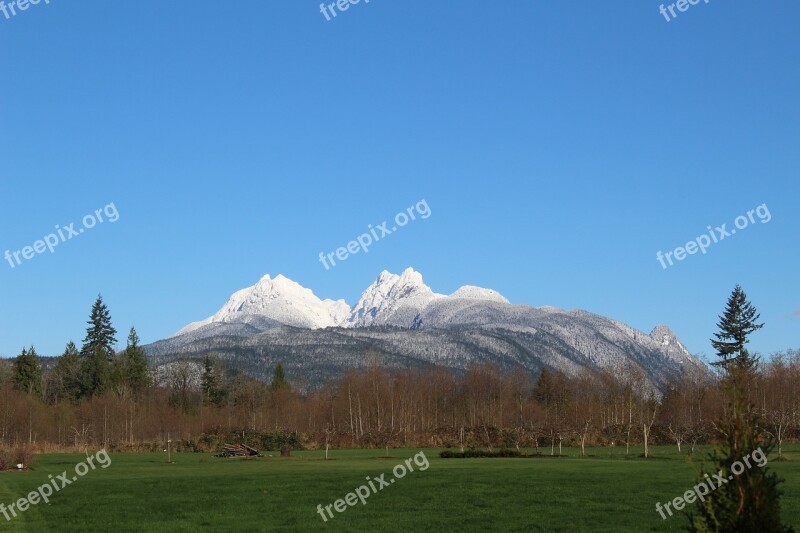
(392, 297)
(411, 275)
(662, 332)
(281, 300)
(470, 292)
(280, 280)
(385, 275)
(668, 341)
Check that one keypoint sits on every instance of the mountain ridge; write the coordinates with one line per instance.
(287, 302)
(402, 323)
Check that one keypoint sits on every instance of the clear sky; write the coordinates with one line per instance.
(559, 146)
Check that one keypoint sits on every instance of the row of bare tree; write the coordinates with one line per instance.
(484, 407)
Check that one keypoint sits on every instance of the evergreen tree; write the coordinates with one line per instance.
(749, 501)
(212, 395)
(736, 324)
(67, 373)
(100, 333)
(279, 379)
(543, 390)
(28, 372)
(137, 373)
(98, 366)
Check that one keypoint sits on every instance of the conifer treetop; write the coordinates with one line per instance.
(736, 324)
(100, 333)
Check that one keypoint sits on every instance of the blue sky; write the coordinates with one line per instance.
(559, 145)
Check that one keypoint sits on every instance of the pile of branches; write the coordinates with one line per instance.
(238, 450)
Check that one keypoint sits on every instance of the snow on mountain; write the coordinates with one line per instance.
(278, 320)
(406, 301)
(278, 300)
(669, 343)
(451, 312)
(392, 299)
(398, 300)
(470, 292)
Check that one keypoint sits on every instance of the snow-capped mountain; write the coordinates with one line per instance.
(470, 292)
(276, 301)
(408, 324)
(389, 300)
(392, 299)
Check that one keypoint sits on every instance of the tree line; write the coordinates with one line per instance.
(101, 396)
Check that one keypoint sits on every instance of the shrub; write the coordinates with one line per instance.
(11, 457)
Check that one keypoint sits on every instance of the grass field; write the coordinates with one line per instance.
(141, 492)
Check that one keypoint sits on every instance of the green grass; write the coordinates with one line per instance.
(140, 492)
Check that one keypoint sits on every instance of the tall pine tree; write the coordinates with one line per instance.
(28, 372)
(137, 373)
(212, 392)
(749, 501)
(543, 390)
(97, 353)
(100, 333)
(737, 323)
(67, 373)
(279, 379)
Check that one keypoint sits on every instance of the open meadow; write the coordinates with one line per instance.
(141, 492)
